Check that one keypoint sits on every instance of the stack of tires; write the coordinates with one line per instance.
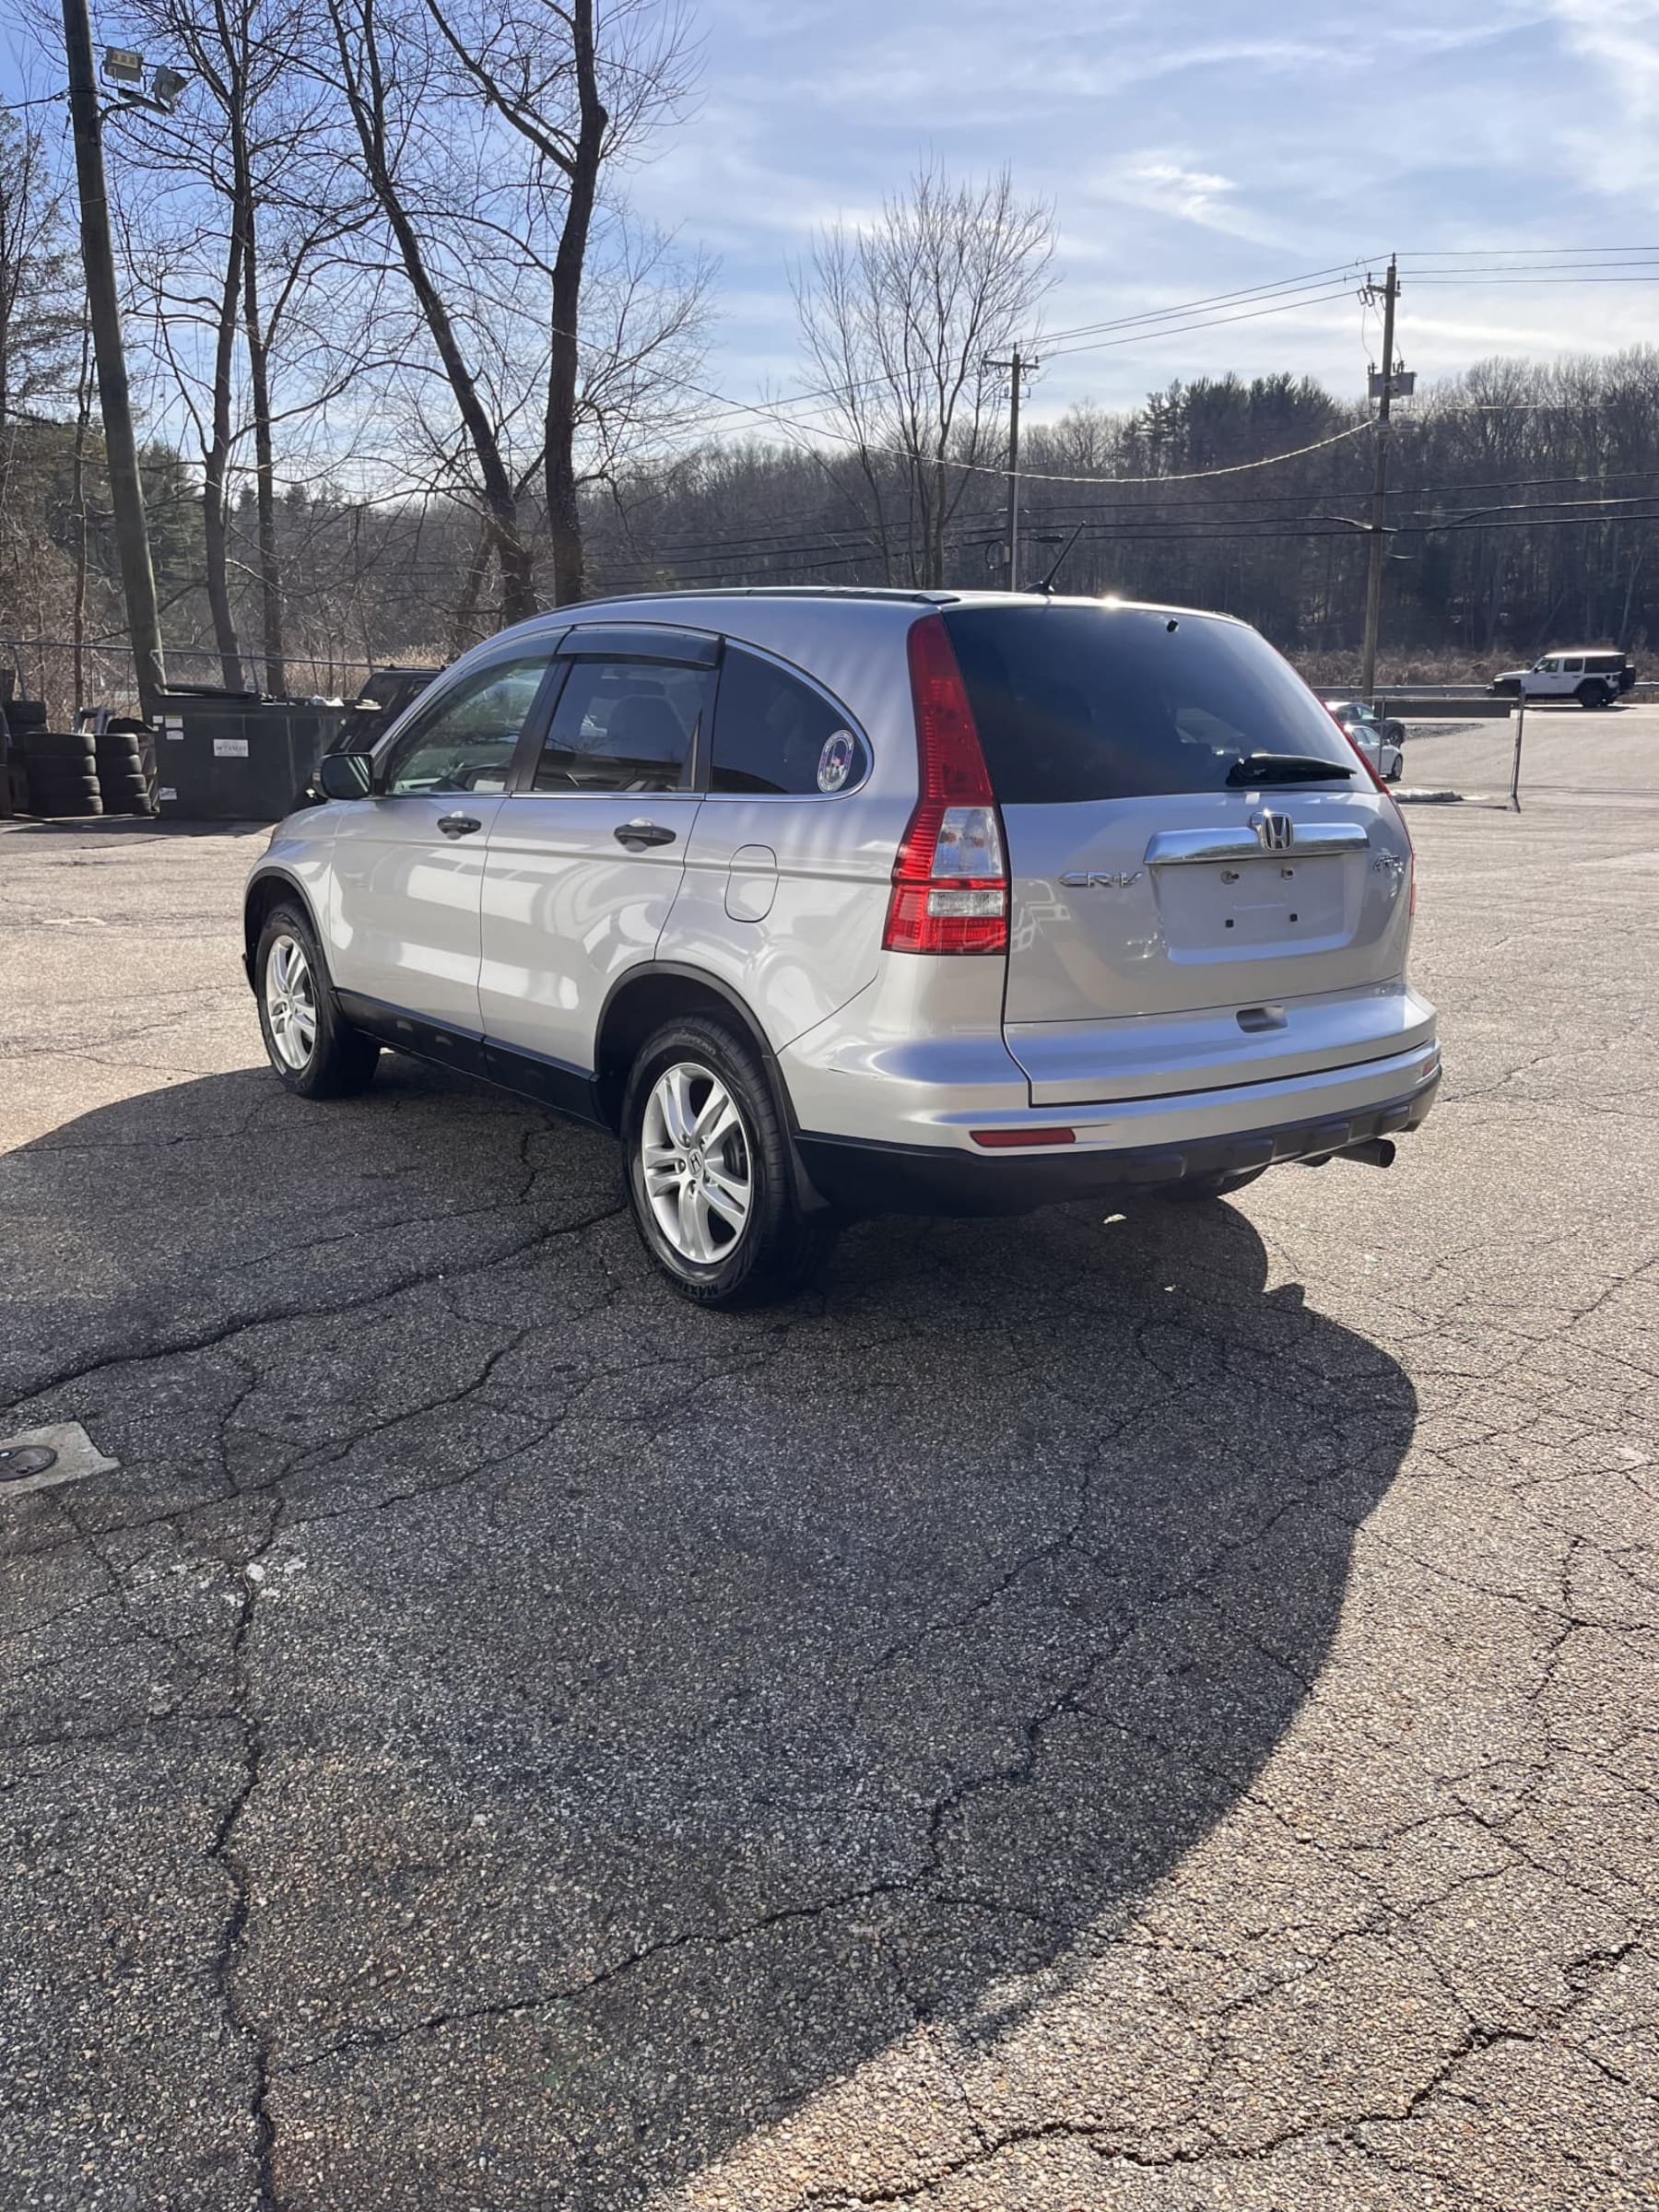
(61, 766)
(126, 765)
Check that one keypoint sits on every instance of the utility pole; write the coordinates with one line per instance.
(1015, 369)
(127, 487)
(1390, 289)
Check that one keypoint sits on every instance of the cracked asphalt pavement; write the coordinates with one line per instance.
(1149, 1713)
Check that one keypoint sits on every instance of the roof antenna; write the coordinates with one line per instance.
(1047, 585)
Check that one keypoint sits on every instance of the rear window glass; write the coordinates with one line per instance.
(1101, 702)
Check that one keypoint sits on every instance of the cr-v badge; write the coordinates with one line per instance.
(1104, 881)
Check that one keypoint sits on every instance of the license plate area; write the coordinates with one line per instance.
(1215, 910)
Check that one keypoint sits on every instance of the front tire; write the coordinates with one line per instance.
(314, 1052)
(709, 1171)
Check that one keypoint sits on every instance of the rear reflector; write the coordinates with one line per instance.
(950, 880)
(1010, 1140)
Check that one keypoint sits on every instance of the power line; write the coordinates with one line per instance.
(1177, 330)
(824, 532)
(1034, 476)
(1249, 292)
(693, 575)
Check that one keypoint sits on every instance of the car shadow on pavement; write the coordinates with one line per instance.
(629, 1723)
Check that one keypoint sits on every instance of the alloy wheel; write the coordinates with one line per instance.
(697, 1163)
(291, 1003)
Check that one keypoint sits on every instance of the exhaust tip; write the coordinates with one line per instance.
(1372, 1152)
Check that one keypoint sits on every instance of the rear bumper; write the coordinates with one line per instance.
(860, 1176)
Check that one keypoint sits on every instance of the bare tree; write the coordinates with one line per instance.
(40, 320)
(39, 295)
(581, 93)
(384, 71)
(900, 319)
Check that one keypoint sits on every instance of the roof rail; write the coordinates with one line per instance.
(773, 591)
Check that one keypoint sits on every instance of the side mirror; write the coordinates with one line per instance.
(345, 775)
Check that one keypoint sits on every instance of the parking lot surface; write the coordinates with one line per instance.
(1149, 1713)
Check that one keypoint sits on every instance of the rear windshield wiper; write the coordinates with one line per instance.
(1284, 768)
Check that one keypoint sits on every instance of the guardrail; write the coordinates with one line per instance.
(1445, 706)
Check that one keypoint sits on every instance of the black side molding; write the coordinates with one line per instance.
(535, 1076)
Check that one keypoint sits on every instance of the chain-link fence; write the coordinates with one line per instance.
(70, 674)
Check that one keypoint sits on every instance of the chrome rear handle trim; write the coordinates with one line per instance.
(1185, 848)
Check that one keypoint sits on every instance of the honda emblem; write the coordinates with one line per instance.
(1275, 831)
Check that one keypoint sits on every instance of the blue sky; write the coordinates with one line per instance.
(1189, 148)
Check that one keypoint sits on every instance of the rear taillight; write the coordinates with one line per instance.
(1399, 812)
(950, 880)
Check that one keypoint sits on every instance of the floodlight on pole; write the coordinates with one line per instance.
(138, 85)
(165, 87)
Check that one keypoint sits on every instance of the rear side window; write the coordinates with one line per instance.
(1101, 702)
(774, 734)
(624, 725)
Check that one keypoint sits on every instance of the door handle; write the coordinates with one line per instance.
(458, 824)
(636, 836)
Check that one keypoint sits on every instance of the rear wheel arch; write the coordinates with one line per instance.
(641, 1001)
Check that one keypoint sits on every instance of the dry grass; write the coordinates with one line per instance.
(1330, 670)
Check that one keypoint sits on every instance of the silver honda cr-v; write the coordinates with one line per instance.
(840, 902)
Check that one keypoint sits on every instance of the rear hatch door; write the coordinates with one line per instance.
(1207, 888)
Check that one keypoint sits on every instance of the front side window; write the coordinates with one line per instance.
(625, 726)
(775, 735)
(465, 740)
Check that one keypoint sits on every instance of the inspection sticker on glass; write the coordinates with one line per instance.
(230, 748)
(835, 762)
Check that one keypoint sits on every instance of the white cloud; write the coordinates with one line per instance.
(1617, 150)
(1190, 151)
(1163, 183)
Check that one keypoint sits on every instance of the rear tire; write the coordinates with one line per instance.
(1198, 1190)
(313, 1050)
(1593, 693)
(708, 1167)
